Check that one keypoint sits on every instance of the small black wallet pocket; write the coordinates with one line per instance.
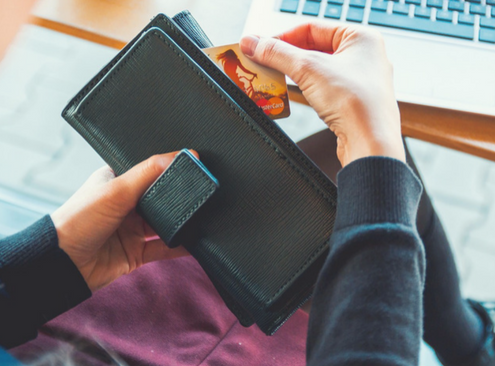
(263, 235)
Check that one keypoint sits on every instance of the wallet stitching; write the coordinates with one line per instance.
(264, 138)
(258, 112)
(168, 172)
(83, 93)
(162, 180)
(194, 208)
(96, 79)
(91, 138)
(159, 183)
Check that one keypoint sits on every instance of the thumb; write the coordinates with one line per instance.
(130, 186)
(273, 53)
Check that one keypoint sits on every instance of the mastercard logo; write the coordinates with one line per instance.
(273, 106)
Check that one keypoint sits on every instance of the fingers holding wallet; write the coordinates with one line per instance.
(99, 229)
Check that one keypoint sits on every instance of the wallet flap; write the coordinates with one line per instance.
(176, 195)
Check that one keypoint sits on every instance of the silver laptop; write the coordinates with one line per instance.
(443, 51)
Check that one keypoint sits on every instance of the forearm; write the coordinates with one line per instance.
(367, 304)
(38, 281)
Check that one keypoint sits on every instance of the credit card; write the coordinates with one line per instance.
(265, 86)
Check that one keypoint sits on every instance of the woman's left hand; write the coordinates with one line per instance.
(99, 229)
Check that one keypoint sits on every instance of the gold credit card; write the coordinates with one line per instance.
(265, 86)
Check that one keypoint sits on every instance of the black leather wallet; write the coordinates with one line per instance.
(259, 218)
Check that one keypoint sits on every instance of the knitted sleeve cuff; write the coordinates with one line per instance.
(38, 279)
(377, 189)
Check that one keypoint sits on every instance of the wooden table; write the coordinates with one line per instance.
(114, 22)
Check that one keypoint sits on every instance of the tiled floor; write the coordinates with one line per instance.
(43, 160)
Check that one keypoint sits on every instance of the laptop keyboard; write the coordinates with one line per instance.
(469, 20)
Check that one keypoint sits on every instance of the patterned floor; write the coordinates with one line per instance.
(44, 161)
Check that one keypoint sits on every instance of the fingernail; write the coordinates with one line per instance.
(165, 161)
(195, 153)
(249, 44)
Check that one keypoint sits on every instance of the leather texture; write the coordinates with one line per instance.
(263, 236)
(176, 195)
(190, 26)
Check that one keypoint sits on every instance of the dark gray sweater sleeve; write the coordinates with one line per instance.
(38, 281)
(367, 307)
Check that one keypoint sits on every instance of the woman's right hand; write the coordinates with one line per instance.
(346, 77)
